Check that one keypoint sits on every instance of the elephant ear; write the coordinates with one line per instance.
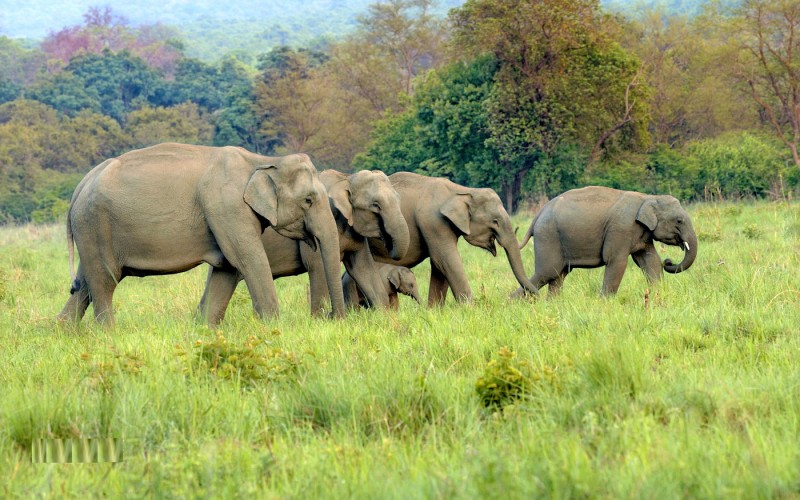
(339, 194)
(647, 214)
(394, 278)
(262, 195)
(456, 209)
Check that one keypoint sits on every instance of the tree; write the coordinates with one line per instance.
(406, 32)
(444, 129)
(182, 123)
(562, 79)
(121, 81)
(770, 50)
(685, 62)
(104, 30)
(290, 100)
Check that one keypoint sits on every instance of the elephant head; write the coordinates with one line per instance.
(299, 210)
(404, 281)
(480, 217)
(669, 223)
(371, 206)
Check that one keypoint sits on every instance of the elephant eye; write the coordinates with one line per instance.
(376, 206)
(309, 201)
(680, 221)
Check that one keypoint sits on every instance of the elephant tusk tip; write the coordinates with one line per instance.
(686, 245)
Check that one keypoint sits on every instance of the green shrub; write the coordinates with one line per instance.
(251, 362)
(504, 380)
(752, 231)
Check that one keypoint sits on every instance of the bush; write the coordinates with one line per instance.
(249, 362)
(504, 380)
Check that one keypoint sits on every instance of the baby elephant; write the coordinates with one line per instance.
(599, 226)
(395, 279)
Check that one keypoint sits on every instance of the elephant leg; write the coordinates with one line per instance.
(362, 268)
(555, 284)
(78, 301)
(448, 261)
(246, 253)
(101, 283)
(437, 292)
(220, 286)
(649, 262)
(615, 270)
(318, 286)
(394, 302)
(350, 290)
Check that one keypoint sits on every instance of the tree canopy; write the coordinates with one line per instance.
(528, 97)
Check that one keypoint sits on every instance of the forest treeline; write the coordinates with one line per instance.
(529, 97)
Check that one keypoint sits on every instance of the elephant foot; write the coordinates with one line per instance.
(521, 294)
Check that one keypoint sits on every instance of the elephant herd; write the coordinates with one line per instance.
(171, 207)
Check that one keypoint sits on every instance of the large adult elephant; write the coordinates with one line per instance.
(598, 226)
(364, 205)
(168, 208)
(439, 212)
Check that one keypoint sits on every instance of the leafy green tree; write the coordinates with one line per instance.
(236, 123)
(444, 130)
(123, 82)
(182, 123)
(9, 91)
(24, 129)
(288, 100)
(83, 142)
(111, 83)
(66, 93)
(204, 84)
(562, 79)
(19, 65)
(43, 156)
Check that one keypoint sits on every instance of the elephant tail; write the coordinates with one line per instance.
(528, 233)
(76, 283)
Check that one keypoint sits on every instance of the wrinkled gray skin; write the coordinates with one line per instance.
(439, 212)
(396, 279)
(598, 226)
(168, 208)
(364, 204)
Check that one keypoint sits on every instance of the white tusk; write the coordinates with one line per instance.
(686, 245)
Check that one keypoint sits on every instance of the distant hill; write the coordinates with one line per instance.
(35, 18)
(212, 28)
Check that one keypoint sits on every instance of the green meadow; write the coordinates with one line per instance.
(687, 389)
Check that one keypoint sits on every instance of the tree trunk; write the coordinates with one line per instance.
(509, 192)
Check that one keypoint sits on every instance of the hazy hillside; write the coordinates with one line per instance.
(35, 18)
(209, 28)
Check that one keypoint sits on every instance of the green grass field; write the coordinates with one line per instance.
(694, 394)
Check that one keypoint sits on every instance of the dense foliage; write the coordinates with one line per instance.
(528, 97)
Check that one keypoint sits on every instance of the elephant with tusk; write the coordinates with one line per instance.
(598, 226)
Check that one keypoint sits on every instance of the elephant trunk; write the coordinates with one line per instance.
(690, 253)
(396, 228)
(508, 241)
(323, 227)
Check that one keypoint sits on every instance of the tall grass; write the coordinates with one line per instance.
(692, 392)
